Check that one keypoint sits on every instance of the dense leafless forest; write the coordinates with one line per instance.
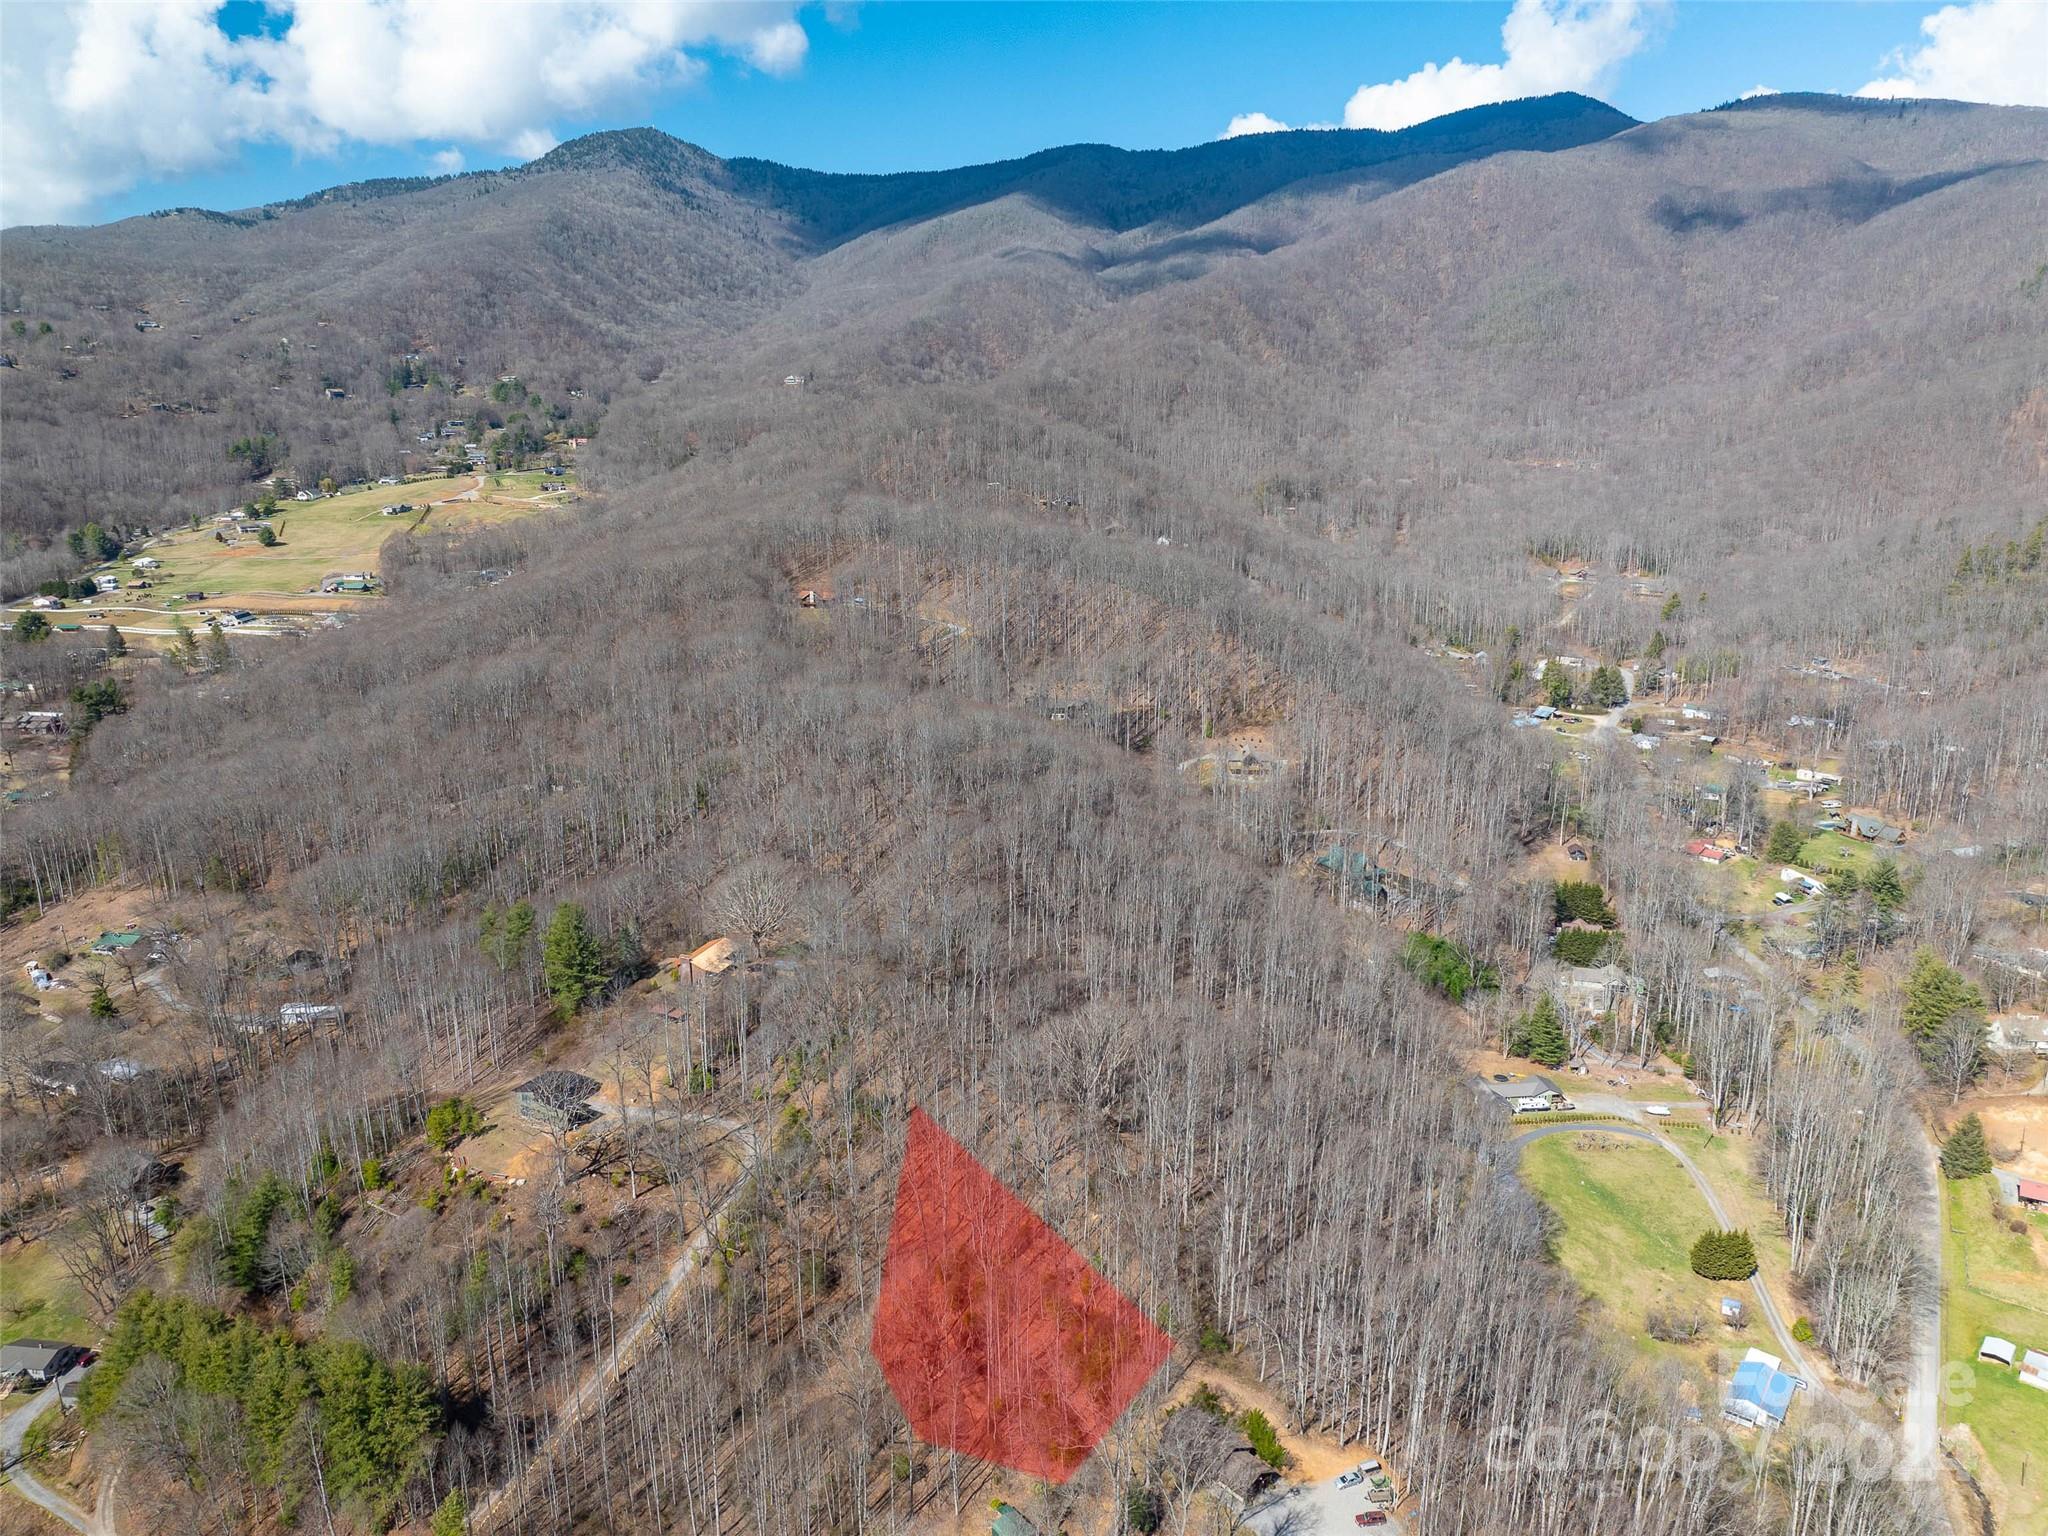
(1088, 476)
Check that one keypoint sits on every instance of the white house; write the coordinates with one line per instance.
(106, 582)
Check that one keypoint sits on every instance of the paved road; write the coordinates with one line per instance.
(13, 1429)
(1788, 1350)
(598, 1382)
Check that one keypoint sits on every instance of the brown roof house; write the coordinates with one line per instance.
(1203, 1450)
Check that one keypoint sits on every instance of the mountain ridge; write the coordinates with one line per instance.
(1252, 165)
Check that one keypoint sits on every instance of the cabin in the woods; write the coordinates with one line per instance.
(559, 1099)
(1216, 1455)
(1875, 829)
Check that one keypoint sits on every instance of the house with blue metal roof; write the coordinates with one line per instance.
(1760, 1392)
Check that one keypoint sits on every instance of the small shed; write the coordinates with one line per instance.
(1995, 1348)
(2034, 1369)
(1010, 1521)
(68, 1385)
(2033, 1194)
(1731, 1311)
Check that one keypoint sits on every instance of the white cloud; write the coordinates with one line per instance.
(778, 50)
(99, 95)
(1760, 90)
(1547, 45)
(1253, 122)
(1987, 50)
(531, 143)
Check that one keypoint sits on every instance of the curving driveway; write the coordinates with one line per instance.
(1787, 1348)
(13, 1430)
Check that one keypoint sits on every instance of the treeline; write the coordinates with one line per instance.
(239, 1413)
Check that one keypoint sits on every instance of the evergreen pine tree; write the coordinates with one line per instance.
(1966, 1155)
(572, 959)
(451, 1516)
(117, 643)
(1547, 1043)
(1539, 1035)
(1786, 839)
(1719, 1255)
(1935, 993)
(1885, 886)
(184, 644)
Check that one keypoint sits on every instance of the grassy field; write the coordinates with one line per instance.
(1630, 1215)
(1729, 1163)
(1745, 887)
(38, 1299)
(1673, 1090)
(337, 533)
(1997, 1283)
(1837, 850)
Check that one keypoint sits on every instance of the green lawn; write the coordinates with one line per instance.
(1630, 1215)
(1672, 1089)
(1729, 1165)
(1996, 1282)
(38, 1299)
(337, 533)
(1744, 887)
(1837, 850)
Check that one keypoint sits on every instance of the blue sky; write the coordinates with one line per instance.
(142, 104)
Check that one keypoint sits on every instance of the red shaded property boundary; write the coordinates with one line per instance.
(998, 1338)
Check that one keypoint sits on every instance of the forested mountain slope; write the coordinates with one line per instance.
(1082, 488)
(600, 264)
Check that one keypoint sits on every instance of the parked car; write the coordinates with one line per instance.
(1351, 1479)
(1372, 1517)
